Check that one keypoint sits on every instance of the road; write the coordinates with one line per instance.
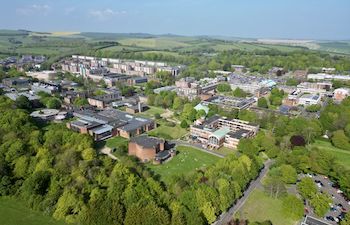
(224, 218)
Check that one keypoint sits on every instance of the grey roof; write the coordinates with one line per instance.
(313, 221)
(146, 141)
(162, 155)
(113, 117)
(239, 133)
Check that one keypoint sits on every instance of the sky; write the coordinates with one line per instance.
(288, 19)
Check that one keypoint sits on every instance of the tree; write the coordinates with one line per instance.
(224, 87)
(239, 93)
(200, 113)
(320, 202)
(248, 147)
(177, 103)
(53, 103)
(340, 140)
(275, 187)
(293, 207)
(188, 113)
(346, 220)
(307, 188)
(80, 101)
(23, 102)
(262, 103)
(184, 124)
(292, 82)
(313, 108)
(288, 173)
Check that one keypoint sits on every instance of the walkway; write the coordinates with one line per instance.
(108, 151)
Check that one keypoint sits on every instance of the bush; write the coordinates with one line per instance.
(170, 124)
(157, 116)
(184, 124)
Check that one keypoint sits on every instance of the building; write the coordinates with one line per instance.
(238, 68)
(328, 70)
(16, 82)
(324, 76)
(298, 97)
(108, 123)
(46, 75)
(47, 87)
(139, 107)
(148, 149)
(34, 99)
(48, 115)
(137, 80)
(229, 102)
(318, 87)
(309, 220)
(166, 88)
(216, 132)
(300, 74)
(101, 101)
(341, 93)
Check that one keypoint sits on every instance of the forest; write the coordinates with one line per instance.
(60, 173)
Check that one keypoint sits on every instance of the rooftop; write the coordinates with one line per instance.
(146, 141)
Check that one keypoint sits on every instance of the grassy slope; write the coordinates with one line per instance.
(343, 156)
(187, 160)
(13, 212)
(260, 207)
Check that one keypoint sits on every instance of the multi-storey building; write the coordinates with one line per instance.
(216, 132)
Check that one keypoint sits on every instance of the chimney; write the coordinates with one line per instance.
(140, 107)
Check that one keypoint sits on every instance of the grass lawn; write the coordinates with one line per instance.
(188, 159)
(343, 156)
(117, 142)
(168, 132)
(13, 212)
(225, 151)
(151, 111)
(261, 207)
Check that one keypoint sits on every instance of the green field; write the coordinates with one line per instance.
(342, 156)
(260, 207)
(117, 142)
(188, 159)
(13, 212)
(168, 132)
(151, 111)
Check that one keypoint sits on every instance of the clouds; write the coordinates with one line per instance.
(105, 14)
(35, 9)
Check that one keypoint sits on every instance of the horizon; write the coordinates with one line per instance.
(271, 19)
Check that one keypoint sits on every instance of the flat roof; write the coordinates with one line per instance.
(221, 132)
(313, 221)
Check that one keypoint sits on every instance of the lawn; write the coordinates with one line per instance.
(188, 159)
(261, 207)
(168, 132)
(225, 151)
(13, 212)
(151, 111)
(117, 142)
(342, 156)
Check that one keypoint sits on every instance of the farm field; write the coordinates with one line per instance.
(188, 159)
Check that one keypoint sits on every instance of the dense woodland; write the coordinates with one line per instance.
(59, 172)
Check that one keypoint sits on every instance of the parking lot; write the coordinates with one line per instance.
(339, 206)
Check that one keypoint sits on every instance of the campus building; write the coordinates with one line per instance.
(217, 131)
(101, 101)
(147, 149)
(108, 123)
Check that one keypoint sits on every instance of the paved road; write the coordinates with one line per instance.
(198, 146)
(108, 151)
(224, 218)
